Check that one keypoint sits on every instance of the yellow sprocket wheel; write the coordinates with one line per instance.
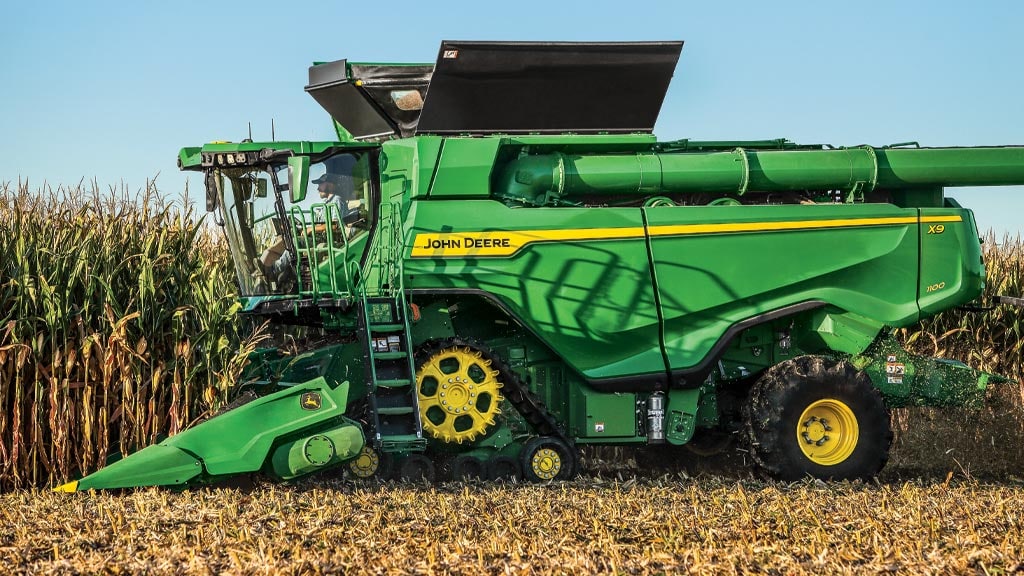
(458, 393)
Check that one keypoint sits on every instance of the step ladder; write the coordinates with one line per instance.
(391, 374)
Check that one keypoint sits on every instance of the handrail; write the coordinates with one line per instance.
(383, 270)
(387, 252)
(303, 225)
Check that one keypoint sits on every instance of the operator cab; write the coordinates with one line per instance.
(309, 242)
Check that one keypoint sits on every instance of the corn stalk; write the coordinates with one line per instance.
(118, 324)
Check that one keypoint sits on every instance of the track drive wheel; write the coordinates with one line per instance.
(370, 464)
(548, 458)
(504, 468)
(813, 416)
(458, 385)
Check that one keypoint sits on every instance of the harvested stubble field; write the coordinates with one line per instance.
(672, 524)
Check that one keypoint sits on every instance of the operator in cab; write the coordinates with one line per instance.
(339, 191)
(334, 188)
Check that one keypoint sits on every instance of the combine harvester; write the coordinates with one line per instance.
(509, 266)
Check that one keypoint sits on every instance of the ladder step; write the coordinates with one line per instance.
(387, 327)
(395, 410)
(394, 383)
(400, 443)
(389, 355)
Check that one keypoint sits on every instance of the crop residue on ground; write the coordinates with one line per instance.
(669, 525)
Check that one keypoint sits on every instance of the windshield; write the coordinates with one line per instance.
(303, 247)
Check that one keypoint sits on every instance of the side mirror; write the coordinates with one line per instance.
(261, 188)
(212, 181)
(298, 177)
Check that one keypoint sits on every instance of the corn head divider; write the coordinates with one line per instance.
(510, 266)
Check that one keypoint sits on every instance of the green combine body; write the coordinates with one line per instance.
(511, 266)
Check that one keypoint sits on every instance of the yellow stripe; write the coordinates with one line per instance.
(507, 243)
(683, 229)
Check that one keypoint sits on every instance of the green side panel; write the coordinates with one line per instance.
(952, 271)
(240, 440)
(407, 166)
(725, 264)
(842, 332)
(605, 415)
(464, 169)
(590, 300)
(157, 465)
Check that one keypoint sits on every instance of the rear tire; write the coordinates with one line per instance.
(813, 416)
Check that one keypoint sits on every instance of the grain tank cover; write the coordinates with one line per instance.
(547, 87)
(501, 87)
(371, 101)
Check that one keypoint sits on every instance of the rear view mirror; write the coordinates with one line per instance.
(298, 177)
(212, 181)
(261, 188)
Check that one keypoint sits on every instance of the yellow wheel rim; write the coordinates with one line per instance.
(827, 432)
(546, 463)
(458, 394)
(365, 464)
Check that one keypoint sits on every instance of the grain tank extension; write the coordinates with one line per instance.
(510, 266)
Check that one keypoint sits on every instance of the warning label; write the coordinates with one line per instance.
(894, 371)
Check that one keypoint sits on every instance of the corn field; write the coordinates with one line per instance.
(989, 441)
(991, 340)
(117, 325)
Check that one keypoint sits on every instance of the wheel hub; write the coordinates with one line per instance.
(365, 464)
(827, 432)
(546, 463)
(456, 395)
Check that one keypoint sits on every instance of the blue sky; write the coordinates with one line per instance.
(111, 90)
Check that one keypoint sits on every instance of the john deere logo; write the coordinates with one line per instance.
(310, 401)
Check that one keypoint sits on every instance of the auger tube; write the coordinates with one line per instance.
(864, 168)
